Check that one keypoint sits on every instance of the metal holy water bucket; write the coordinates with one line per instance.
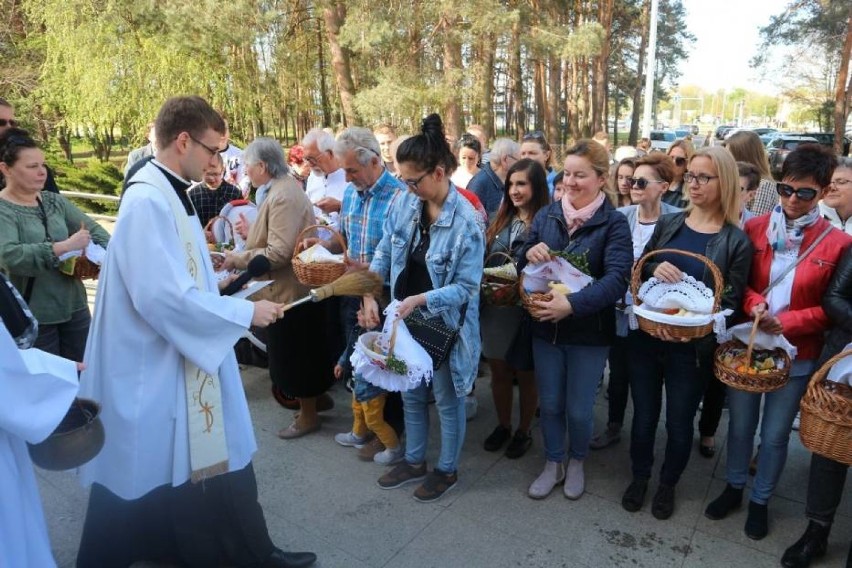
(77, 439)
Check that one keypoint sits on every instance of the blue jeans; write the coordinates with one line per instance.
(684, 370)
(567, 377)
(779, 410)
(450, 412)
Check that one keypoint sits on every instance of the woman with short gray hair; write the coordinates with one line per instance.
(284, 212)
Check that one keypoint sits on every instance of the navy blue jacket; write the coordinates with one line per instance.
(605, 240)
(488, 188)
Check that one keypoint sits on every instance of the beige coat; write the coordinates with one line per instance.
(284, 213)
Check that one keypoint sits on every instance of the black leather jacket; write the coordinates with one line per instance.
(731, 251)
(837, 304)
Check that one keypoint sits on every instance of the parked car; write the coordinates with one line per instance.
(693, 128)
(827, 139)
(770, 136)
(782, 145)
(763, 130)
(683, 133)
(662, 139)
(722, 130)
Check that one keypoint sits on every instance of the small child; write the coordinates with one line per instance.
(368, 407)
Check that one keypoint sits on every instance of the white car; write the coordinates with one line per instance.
(662, 139)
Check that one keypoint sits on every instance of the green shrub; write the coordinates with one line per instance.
(89, 177)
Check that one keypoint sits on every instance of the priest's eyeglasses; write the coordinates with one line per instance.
(212, 151)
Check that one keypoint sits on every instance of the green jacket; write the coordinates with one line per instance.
(26, 252)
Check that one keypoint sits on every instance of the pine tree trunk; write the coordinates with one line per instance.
(601, 68)
(334, 18)
(326, 107)
(486, 119)
(553, 98)
(633, 137)
(841, 95)
(539, 84)
(453, 121)
(519, 113)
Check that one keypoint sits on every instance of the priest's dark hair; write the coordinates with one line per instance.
(186, 114)
(12, 141)
(429, 149)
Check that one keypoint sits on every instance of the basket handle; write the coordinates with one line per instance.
(714, 270)
(209, 226)
(394, 325)
(498, 254)
(822, 372)
(299, 240)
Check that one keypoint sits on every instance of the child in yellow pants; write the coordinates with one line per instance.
(368, 407)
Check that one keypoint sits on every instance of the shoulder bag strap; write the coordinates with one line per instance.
(28, 291)
(802, 257)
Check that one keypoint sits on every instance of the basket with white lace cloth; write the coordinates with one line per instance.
(391, 359)
(687, 309)
(539, 282)
(751, 360)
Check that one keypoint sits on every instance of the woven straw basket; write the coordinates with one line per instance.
(318, 273)
(826, 419)
(767, 381)
(497, 291)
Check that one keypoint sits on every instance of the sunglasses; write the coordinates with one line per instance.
(803, 193)
(642, 183)
(679, 162)
(11, 122)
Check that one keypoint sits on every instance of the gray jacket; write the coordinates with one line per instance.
(632, 212)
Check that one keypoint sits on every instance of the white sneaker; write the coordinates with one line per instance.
(553, 475)
(390, 456)
(350, 440)
(470, 407)
(575, 480)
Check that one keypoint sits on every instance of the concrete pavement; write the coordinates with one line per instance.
(318, 496)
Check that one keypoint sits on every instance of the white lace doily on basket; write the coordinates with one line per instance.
(689, 293)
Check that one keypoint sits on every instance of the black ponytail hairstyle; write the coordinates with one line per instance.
(429, 149)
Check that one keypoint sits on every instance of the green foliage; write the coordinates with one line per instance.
(90, 177)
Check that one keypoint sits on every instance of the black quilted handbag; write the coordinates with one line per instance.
(433, 334)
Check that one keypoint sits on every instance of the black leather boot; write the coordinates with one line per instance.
(811, 545)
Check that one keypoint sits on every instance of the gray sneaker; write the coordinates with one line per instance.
(610, 436)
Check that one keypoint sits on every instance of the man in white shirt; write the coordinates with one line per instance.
(174, 480)
(327, 182)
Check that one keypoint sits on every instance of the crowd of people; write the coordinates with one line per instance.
(428, 214)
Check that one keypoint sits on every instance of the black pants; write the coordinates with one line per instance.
(66, 339)
(213, 523)
(825, 488)
(711, 412)
(619, 379)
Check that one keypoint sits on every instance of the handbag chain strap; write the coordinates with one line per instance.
(801, 257)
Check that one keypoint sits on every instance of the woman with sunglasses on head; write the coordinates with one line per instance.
(36, 229)
(796, 252)
(745, 146)
(535, 147)
(621, 182)
(680, 152)
(573, 333)
(432, 251)
(524, 195)
(649, 181)
(836, 204)
(710, 227)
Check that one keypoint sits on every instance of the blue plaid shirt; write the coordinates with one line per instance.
(363, 213)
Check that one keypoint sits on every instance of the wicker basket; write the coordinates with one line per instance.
(826, 419)
(318, 273)
(676, 331)
(85, 269)
(528, 299)
(496, 291)
(762, 382)
(218, 257)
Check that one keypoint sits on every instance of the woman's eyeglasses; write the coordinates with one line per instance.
(679, 162)
(642, 183)
(840, 182)
(8, 122)
(803, 193)
(702, 179)
(412, 183)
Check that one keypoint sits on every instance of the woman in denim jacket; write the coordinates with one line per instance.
(433, 250)
(572, 337)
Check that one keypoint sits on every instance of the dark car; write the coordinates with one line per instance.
(827, 139)
(780, 146)
(722, 130)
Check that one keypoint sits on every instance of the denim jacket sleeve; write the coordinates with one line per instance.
(617, 261)
(464, 282)
(381, 263)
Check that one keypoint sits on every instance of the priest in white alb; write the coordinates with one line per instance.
(37, 389)
(174, 481)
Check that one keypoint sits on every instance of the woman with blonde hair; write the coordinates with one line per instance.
(680, 152)
(745, 146)
(710, 227)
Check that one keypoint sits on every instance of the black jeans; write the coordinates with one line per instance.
(825, 488)
(711, 413)
(619, 378)
(684, 372)
(66, 339)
